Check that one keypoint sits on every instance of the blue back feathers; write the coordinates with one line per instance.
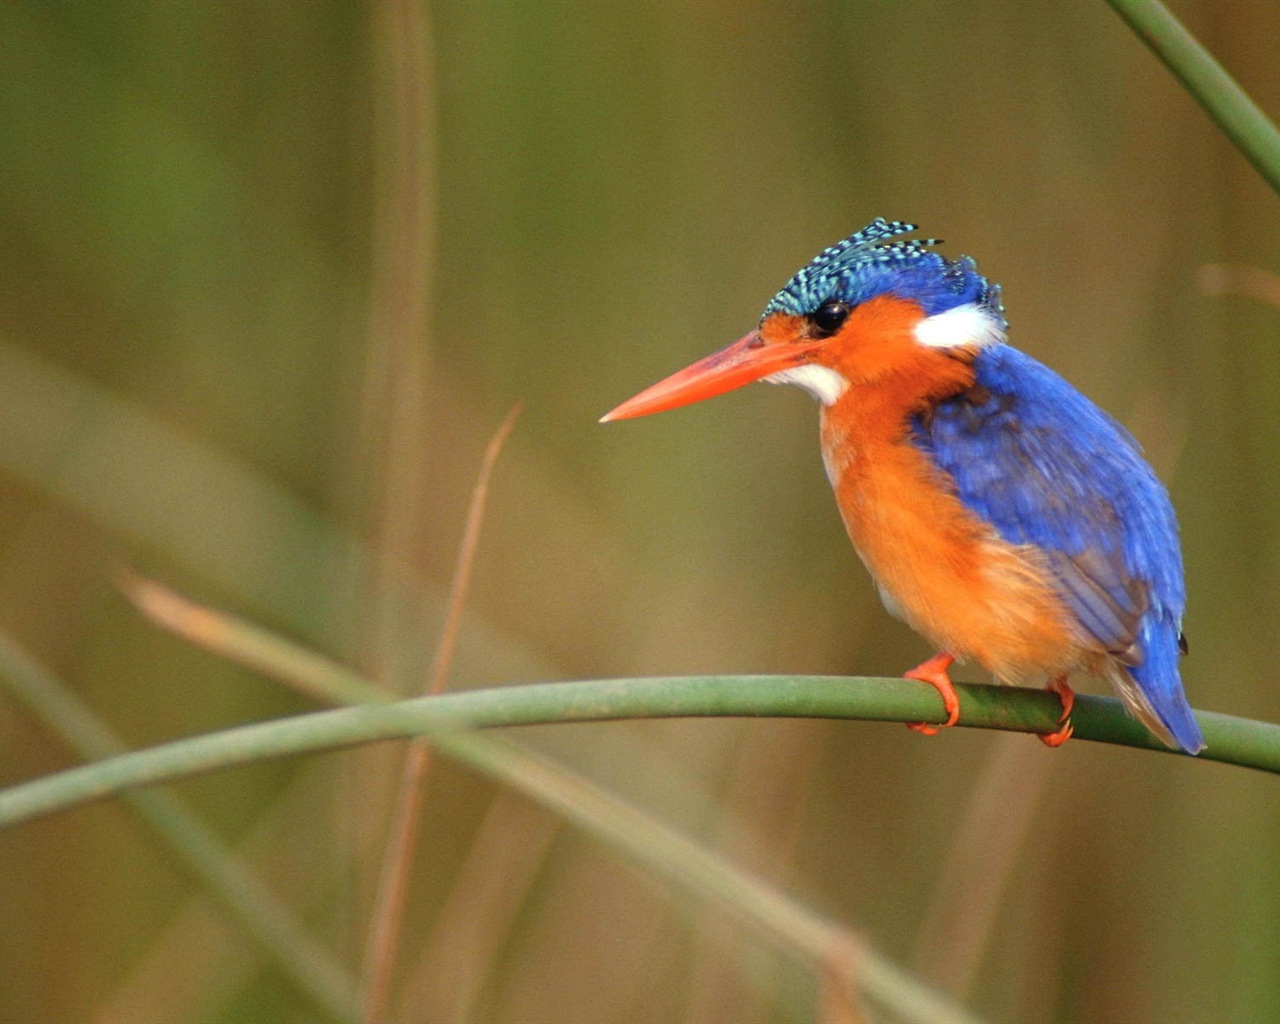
(1043, 465)
(865, 265)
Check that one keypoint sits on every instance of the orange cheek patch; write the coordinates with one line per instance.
(884, 316)
(878, 339)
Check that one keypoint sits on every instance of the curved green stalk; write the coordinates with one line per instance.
(1213, 88)
(1232, 740)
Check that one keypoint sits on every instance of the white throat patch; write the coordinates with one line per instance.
(820, 381)
(970, 324)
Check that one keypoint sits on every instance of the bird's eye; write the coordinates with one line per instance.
(829, 317)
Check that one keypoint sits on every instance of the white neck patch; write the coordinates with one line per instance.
(970, 324)
(824, 383)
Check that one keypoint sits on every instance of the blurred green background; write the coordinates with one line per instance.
(271, 274)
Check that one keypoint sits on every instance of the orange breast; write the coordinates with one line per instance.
(938, 566)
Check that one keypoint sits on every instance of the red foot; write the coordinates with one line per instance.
(934, 672)
(1068, 698)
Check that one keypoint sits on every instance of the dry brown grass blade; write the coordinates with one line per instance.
(1253, 282)
(840, 1001)
(394, 390)
(466, 557)
(452, 969)
(391, 490)
(388, 918)
(237, 640)
(245, 643)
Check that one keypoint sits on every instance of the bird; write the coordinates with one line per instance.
(1001, 514)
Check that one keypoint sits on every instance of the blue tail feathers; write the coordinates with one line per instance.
(1160, 683)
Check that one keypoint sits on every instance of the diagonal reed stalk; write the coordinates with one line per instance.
(1208, 82)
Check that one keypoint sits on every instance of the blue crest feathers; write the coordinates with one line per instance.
(867, 264)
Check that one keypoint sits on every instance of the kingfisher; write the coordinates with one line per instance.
(1001, 514)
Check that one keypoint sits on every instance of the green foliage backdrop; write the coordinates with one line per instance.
(270, 275)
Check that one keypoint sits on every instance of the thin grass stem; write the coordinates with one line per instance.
(1208, 82)
(393, 887)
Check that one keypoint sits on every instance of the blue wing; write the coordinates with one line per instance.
(1045, 466)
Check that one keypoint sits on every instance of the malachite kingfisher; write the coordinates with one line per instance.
(1001, 514)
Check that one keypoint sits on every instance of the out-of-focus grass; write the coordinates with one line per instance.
(214, 868)
(848, 971)
(185, 245)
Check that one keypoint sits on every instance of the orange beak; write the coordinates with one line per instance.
(748, 359)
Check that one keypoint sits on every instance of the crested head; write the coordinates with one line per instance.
(867, 265)
(869, 312)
